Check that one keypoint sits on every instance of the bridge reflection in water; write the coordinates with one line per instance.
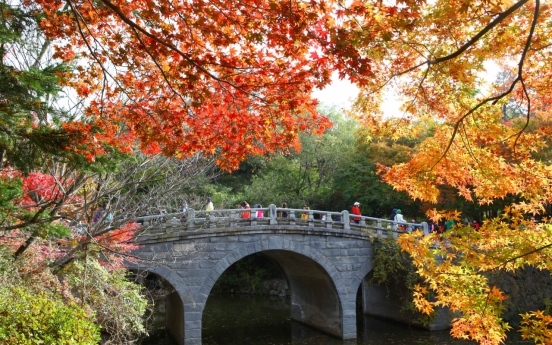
(324, 258)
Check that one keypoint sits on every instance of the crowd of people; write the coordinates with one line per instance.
(396, 215)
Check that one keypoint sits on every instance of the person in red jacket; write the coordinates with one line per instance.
(356, 210)
(245, 205)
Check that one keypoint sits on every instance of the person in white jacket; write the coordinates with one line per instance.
(398, 219)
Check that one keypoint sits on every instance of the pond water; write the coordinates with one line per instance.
(265, 320)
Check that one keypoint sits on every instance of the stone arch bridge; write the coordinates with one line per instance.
(324, 257)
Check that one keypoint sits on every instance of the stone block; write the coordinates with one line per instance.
(349, 314)
(218, 239)
(317, 244)
(192, 316)
(336, 244)
(276, 242)
(231, 246)
(287, 244)
(356, 267)
(243, 251)
(207, 264)
(236, 255)
(250, 249)
(347, 277)
(193, 334)
(215, 275)
(341, 267)
(206, 289)
(365, 251)
(265, 244)
(349, 305)
(216, 255)
(258, 247)
(229, 259)
(332, 252)
(199, 273)
(219, 269)
(195, 290)
(194, 281)
(247, 238)
(190, 325)
(193, 307)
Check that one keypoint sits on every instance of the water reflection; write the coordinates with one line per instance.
(260, 320)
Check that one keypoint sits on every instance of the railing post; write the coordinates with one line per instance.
(190, 220)
(328, 221)
(291, 218)
(362, 221)
(272, 211)
(233, 218)
(425, 228)
(311, 219)
(253, 217)
(212, 221)
(345, 220)
(379, 228)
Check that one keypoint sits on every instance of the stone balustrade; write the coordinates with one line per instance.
(174, 224)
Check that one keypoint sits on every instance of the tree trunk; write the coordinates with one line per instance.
(24, 247)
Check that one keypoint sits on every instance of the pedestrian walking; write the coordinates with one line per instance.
(305, 215)
(283, 214)
(356, 211)
(260, 213)
(399, 219)
(246, 214)
(209, 204)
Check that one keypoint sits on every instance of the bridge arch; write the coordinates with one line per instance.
(316, 286)
(324, 268)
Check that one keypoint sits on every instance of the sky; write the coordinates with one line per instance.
(342, 93)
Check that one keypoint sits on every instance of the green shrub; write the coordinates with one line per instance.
(28, 318)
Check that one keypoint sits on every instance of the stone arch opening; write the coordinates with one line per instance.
(168, 312)
(253, 274)
(315, 299)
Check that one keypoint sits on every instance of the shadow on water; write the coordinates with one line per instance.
(260, 320)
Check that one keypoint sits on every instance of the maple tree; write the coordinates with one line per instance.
(218, 77)
(488, 140)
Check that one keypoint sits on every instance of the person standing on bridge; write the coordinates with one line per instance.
(356, 210)
(209, 204)
(260, 213)
(283, 214)
(305, 215)
(245, 205)
(393, 214)
(399, 218)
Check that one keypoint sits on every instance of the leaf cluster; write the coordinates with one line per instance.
(456, 266)
(393, 267)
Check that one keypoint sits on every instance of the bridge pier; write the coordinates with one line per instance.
(314, 297)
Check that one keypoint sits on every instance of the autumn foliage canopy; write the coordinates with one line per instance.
(234, 78)
(219, 77)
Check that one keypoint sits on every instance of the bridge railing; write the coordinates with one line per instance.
(272, 215)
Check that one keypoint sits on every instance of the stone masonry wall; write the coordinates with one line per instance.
(192, 266)
(528, 289)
